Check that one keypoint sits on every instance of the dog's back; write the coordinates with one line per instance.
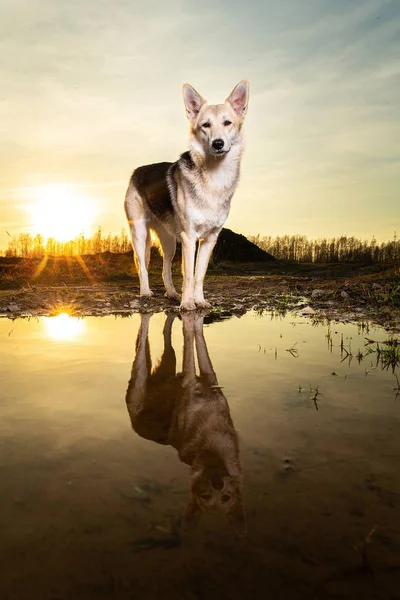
(150, 181)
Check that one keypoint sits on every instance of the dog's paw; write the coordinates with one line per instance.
(148, 294)
(203, 304)
(187, 305)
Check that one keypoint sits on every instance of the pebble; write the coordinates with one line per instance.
(307, 310)
(12, 307)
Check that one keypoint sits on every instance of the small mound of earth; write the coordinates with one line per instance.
(234, 247)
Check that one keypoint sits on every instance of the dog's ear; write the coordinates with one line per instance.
(193, 102)
(191, 515)
(239, 98)
(236, 517)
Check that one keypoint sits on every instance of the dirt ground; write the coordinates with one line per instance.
(103, 285)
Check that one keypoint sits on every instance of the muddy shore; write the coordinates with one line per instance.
(339, 292)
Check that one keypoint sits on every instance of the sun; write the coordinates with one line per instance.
(58, 210)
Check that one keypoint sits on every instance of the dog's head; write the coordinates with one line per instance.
(215, 128)
(213, 488)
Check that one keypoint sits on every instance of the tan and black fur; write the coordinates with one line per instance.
(189, 200)
(190, 413)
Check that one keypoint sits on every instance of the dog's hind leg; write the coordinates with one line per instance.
(140, 233)
(141, 369)
(166, 368)
(168, 247)
(148, 249)
(141, 241)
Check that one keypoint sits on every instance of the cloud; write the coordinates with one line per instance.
(93, 88)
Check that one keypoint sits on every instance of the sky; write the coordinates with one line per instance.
(91, 89)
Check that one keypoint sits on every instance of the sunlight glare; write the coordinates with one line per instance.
(63, 327)
(58, 210)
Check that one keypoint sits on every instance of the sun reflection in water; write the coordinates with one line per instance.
(63, 327)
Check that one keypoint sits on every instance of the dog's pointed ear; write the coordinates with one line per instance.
(236, 517)
(193, 102)
(191, 515)
(239, 98)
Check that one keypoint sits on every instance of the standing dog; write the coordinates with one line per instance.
(189, 200)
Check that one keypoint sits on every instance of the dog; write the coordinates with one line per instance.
(189, 200)
(191, 414)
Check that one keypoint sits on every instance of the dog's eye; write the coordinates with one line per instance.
(206, 125)
(205, 496)
(226, 123)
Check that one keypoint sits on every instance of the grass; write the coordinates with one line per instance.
(387, 352)
(313, 394)
(397, 388)
(293, 350)
(344, 352)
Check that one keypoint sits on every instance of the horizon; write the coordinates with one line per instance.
(117, 234)
(87, 100)
(124, 230)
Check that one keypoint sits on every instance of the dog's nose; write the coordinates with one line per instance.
(218, 144)
(217, 481)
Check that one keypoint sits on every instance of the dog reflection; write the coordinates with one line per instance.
(190, 413)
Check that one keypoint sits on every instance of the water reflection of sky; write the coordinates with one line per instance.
(73, 362)
(85, 490)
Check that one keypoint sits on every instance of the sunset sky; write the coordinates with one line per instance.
(90, 89)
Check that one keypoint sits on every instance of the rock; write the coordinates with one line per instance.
(12, 307)
(344, 294)
(288, 464)
(307, 310)
(317, 294)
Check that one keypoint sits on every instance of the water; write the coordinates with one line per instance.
(281, 481)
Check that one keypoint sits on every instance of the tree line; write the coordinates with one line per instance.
(300, 249)
(290, 248)
(27, 246)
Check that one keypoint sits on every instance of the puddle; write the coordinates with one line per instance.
(155, 456)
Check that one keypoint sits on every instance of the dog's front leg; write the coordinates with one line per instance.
(203, 258)
(203, 357)
(188, 368)
(188, 251)
(188, 363)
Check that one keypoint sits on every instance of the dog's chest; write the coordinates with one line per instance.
(208, 203)
(207, 217)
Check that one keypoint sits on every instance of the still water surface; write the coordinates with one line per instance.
(273, 472)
